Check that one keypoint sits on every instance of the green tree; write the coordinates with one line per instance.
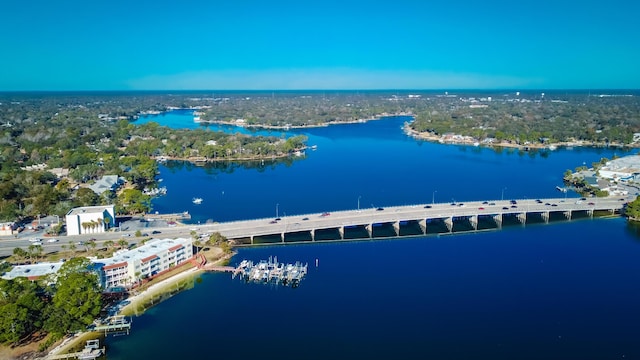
(632, 211)
(77, 300)
(21, 309)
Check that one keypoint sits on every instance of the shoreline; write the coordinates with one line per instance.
(287, 127)
(135, 301)
(457, 139)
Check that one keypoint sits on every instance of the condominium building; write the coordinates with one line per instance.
(126, 267)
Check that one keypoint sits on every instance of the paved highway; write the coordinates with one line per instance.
(307, 222)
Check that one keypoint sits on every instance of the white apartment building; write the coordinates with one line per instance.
(128, 266)
(90, 219)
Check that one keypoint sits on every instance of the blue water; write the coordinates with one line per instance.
(565, 290)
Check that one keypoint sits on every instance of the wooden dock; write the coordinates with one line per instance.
(211, 267)
(92, 350)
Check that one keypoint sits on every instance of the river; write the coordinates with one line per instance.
(563, 290)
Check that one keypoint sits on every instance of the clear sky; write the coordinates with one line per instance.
(312, 44)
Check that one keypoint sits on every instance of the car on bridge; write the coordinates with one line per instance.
(379, 209)
(427, 206)
(305, 218)
(325, 214)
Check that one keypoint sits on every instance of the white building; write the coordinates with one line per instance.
(33, 271)
(126, 267)
(624, 168)
(90, 219)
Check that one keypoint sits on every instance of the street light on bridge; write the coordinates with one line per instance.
(503, 189)
(277, 210)
(433, 197)
(359, 196)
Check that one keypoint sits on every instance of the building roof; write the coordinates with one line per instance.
(89, 209)
(629, 164)
(143, 253)
(33, 270)
(107, 182)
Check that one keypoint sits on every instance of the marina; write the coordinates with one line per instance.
(271, 271)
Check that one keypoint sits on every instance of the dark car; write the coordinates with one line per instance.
(155, 232)
(427, 206)
(277, 219)
(485, 202)
(325, 214)
(379, 209)
(273, 222)
(513, 202)
(505, 208)
(305, 218)
(591, 203)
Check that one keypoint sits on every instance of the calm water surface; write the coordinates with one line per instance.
(566, 290)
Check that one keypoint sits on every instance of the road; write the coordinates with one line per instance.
(306, 222)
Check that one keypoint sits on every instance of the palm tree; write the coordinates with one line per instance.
(122, 243)
(99, 224)
(85, 225)
(92, 244)
(197, 245)
(19, 253)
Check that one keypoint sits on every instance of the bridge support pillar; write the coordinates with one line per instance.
(313, 234)
(423, 226)
(545, 216)
(341, 231)
(567, 215)
(498, 220)
(522, 217)
(474, 221)
(449, 222)
(369, 230)
(251, 239)
(590, 212)
(396, 227)
(282, 236)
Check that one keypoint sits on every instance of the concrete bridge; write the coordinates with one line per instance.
(414, 220)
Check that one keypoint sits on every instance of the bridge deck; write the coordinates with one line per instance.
(341, 219)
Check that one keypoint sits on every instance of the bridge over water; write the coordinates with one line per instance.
(415, 220)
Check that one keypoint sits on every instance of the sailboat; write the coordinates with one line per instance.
(197, 201)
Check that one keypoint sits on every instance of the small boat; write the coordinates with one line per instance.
(197, 201)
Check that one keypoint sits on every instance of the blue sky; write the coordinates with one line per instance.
(400, 44)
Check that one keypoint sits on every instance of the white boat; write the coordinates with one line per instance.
(197, 201)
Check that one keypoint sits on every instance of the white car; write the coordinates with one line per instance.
(35, 240)
(52, 240)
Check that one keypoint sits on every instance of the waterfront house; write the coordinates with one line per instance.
(90, 219)
(106, 183)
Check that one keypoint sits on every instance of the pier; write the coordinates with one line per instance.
(92, 350)
(271, 271)
(116, 324)
(414, 220)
